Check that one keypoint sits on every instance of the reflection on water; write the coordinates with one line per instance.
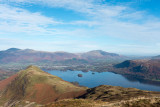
(90, 79)
(135, 79)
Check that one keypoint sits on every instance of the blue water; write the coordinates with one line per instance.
(105, 78)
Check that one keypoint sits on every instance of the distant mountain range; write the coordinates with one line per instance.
(29, 55)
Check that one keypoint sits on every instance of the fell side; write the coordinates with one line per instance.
(35, 85)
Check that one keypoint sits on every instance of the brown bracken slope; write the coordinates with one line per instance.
(35, 85)
(5, 82)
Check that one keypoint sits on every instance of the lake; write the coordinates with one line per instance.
(104, 78)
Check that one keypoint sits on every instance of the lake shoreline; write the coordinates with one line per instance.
(104, 78)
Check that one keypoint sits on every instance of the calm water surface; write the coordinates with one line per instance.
(105, 78)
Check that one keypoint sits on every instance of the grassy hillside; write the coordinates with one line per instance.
(35, 85)
(116, 93)
(139, 102)
(112, 96)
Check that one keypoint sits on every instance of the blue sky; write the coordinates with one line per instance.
(129, 27)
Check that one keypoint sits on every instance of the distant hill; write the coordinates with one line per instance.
(156, 57)
(99, 53)
(29, 56)
(144, 69)
(35, 85)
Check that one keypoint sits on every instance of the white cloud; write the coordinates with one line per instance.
(82, 22)
(115, 21)
(69, 4)
(13, 14)
(90, 7)
(14, 19)
(57, 45)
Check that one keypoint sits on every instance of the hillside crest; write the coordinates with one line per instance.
(35, 85)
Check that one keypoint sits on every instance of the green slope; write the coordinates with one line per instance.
(35, 85)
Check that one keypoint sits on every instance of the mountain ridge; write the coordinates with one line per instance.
(35, 85)
(29, 55)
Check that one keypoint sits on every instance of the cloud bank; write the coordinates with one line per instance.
(134, 27)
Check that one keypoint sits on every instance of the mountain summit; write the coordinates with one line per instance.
(13, 49)
(35, 85)
(100, 53)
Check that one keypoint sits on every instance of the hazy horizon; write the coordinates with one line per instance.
(131, 55)
(126, 27)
